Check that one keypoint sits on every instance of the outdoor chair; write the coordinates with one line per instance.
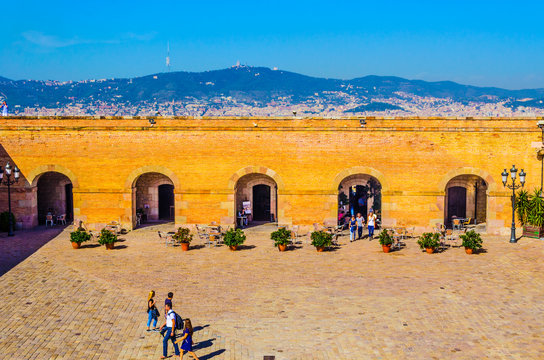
(294, 234)
(166, 238)
(49, 220)
(467, 221)
(398, 238)
(317, 227)
(61, 219)
(410, 232)
(203, 235)
(114, 227)
(441, 229)
(338, 231)
(456, 224)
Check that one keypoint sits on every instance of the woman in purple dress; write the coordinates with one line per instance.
(187, 340)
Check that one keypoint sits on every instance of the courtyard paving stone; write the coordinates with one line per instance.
(352, 303)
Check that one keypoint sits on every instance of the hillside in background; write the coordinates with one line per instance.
(255, 87)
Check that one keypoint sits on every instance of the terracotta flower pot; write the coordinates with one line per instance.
(185, 246)
(320, 248)
(429, 250)
(233, 247)
(110, 246)
(282, 247)
(468, 250)
(386, 248)
(76, 245)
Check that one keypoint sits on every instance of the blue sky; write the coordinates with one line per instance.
(486, 43)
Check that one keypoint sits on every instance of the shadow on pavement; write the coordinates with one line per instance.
(14, 250)
(203, 344)
(212, 354)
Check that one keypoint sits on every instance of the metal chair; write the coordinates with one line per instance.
(61, 219)
(398, 238)
(166, 238)
(456, 224)
(294, 234)
(49, 220)
(203, 235)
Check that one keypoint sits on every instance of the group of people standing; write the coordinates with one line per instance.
(356, 226)
(168, 329)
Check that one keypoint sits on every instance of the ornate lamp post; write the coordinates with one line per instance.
(514, 187)
(8, 181)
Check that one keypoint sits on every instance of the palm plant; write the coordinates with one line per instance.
(523, 203)
(535, 216)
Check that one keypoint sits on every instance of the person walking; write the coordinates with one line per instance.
(352, 228)
(371, 221)
(187, 340)
(4, 108)
(168, 300)
(360, 223)
(169, 333)
(152, 311)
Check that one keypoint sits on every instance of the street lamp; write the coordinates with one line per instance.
(540, 155)
(8, 181)
(514, 187)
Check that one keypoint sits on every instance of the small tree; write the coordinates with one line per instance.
(234, 237)
(321, 239)
(183, 235)
(281, 236)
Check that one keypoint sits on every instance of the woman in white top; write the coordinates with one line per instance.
(371, 220)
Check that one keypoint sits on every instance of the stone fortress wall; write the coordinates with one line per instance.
(414, 159)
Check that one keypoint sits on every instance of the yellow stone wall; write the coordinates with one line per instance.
(413, 158)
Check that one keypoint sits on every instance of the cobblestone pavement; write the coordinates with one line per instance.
(15, 249)
(352, 303)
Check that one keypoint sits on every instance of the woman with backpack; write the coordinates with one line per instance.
(187, 338)
(152, 311)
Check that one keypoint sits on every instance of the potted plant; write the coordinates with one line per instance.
(471, 241)
(532, 206)
(234, 238)
(429, 241)
(321, 239)
(281, 237)
(184, 237)
(386, 240)
(79, 236)
(107, 238)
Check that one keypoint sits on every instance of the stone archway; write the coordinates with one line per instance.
(359, 193)
(366, 173)
(52, 189)
(259, 175)
(467, 190)
(150, 191)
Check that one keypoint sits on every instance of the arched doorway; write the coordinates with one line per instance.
(54, 197)
(359, 193)
(465, 197)
(152, 198)
(257, 194)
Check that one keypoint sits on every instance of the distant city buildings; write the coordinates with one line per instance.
(327, 104)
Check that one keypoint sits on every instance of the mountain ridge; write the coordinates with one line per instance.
(254, 86)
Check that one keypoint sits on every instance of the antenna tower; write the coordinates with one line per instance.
(168, 55)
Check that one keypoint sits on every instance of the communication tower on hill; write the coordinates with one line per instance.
(168, 55)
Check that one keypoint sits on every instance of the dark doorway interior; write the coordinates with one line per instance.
(69, 202)
(166, 200)
(358, 200)
(457, 203)
(261, 203)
